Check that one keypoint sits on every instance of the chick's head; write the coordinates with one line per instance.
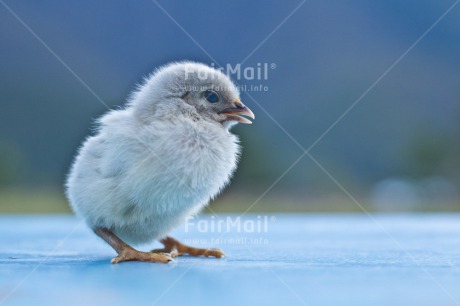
(190, 88)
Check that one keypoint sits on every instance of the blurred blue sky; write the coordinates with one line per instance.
(327, 55)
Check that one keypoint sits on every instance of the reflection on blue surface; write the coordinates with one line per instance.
(311, 259)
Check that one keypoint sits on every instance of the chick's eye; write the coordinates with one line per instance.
(211, 96)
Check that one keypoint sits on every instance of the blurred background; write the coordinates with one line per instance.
(397, 150)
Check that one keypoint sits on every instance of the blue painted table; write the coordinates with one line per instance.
(316, 259)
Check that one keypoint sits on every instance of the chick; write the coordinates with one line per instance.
(158, 160)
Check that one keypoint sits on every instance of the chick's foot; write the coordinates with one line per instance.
(176, 248)
(126, 252)
(130, 254)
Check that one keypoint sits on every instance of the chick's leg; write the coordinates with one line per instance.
(175, 248)
(126, 252)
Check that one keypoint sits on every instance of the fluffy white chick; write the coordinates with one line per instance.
(158, 160)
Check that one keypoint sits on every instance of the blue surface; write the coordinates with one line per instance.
(303, 259)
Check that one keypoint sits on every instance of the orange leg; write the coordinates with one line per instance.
(128, 253)
(175, 248)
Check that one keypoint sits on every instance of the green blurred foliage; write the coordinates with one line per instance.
(32, 200)
(10, 165)
(434, 153)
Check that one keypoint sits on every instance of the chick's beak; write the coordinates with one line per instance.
(236, 113)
